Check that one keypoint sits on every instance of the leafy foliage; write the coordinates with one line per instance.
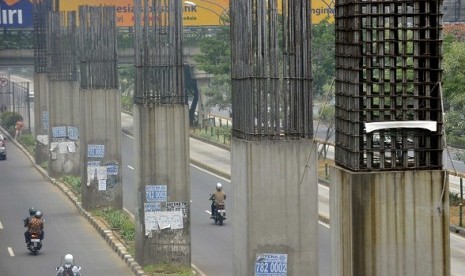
(118, 219)
(323, 56)
(73, 181)
(170, 269)
(9, 119)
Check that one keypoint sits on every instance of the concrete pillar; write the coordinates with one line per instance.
(64, 115)
(41, 117)
(389, 223)
(100, 139)
(162, 162)
(275, 204)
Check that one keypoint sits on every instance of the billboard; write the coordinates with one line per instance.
(16, 13)
(197, 13)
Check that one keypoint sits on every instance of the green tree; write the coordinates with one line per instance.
(323, 56)
(215, 59)
(454, 74)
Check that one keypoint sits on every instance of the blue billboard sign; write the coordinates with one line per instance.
(16, 13)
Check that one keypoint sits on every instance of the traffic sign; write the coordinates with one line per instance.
(3, 82)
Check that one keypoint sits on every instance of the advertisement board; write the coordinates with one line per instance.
(196, 13)
(16, 13)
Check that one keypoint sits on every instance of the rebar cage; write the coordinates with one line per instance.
(158, 53)
(388, 69)
(61, 46)
(271, 69)
(98, 48)
(40, 13)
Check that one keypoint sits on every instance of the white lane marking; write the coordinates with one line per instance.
(1, 225)
(206, 211)
(130, 167)
(324, 224)
(125, 134)
(10, 250)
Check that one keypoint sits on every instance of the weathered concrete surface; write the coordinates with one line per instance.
(275, 186)
(162, 158)
(389, 223)
(41, 112)
(64, 112)
(101, 125)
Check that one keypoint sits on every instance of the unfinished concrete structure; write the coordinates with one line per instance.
(161, 136)
(64, 113)
(388, 191)
(100, 109)
(41, 108)
(273, 155)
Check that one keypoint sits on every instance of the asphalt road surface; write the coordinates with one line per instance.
(66, 231)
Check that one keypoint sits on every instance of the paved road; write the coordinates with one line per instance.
(22, 186)
(206, 255)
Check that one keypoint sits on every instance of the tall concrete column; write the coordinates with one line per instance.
(41, 89)
(162, 160)
(41, 117)
(389, 223)
(100, 109)
(273, 155)
(161, 137)
(275, 205)
(101, 148)
(64, 113)
(388, 191)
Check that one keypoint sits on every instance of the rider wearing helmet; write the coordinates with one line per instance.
(35, 226)
(32, 212)
(218, 197)
(68, 267)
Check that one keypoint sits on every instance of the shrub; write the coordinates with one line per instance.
(9, 119)
(74, 182)
(454, 199)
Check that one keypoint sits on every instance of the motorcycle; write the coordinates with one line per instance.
(35, 244)
(219, 212)
(75, 270)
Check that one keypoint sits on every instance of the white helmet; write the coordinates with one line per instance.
(68, 259)
(219, 186)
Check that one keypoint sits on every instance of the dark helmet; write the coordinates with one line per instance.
(38, 214)
(32, 211)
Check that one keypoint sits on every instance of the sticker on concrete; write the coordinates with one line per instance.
(163, 220)
(73, 133)
(112, 169)
(178, 206)
(96, 151)
(155, 193)
(59, 132)
(271, 264)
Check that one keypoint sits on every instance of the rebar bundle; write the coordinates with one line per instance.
(40, 13)
(98, 48)
(158, 52)
(61, 46)
(388, 69)
(271, 69)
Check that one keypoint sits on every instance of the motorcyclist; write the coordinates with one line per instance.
(68, 267)
(35, 226)
(32, 212)
(218, 197)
